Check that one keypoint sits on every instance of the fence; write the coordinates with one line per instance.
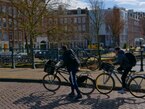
(16, 58)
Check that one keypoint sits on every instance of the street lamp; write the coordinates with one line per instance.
(141, 40)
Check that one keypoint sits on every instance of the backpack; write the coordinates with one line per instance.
(131, 58)
(73, 59)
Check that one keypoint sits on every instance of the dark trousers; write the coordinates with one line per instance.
(73, 79)
(124, 75)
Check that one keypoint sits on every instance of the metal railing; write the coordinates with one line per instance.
(9, 58)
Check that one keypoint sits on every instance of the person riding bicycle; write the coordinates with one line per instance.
(124, 67)
(71, 62)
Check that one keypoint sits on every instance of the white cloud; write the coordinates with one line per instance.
(142, 4)
(78, 3)
(130, 2)
(137, 5)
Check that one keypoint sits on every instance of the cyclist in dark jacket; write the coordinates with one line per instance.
(71, 62)
(125, 66)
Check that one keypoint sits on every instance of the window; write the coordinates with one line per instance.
(55, 21)
(75, 20)
(65, 27)
(65, 20)
(14, 12)
(16, 35)
(11, 35)
(0, 22)
(79, 20)
(0, 35)
(15, 24)
(50, 21)
(79, 28)
(61, 20)
(1, 9)
(4, 23)
(10, 23)
(10, 10)
(5, 37)
(83, 20)
(20, 35)
(83, 27)
(4, 9)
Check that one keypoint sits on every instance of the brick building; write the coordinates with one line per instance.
(10, 33)
(71, 26)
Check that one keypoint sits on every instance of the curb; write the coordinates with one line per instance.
(20, 80)
(41, 81)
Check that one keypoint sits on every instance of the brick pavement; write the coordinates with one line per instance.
(34, 96)
(35, 75)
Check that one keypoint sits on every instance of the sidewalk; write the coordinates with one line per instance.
(36, 75)
(28, 74)
(21, 75)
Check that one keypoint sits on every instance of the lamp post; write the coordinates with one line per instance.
(141, 53)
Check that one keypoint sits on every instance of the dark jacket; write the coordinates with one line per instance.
(122, 60)
(70, 59)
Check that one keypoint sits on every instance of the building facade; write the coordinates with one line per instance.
(10, 33)
(134, 30)
(70, 28)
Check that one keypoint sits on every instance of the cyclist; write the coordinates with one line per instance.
(125, 67)
(71, 62)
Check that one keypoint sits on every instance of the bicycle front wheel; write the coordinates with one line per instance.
(104, 83)
(86, 86)
(137, 86)
(51, 82)
(92, 63)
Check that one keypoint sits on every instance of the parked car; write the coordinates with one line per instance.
(6, 57)
(43, 54)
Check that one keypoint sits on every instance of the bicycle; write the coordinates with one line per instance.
(87, 60)
(52, 81)
(105, 82)
(137, 86)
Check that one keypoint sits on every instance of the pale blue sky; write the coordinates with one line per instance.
(136, 5)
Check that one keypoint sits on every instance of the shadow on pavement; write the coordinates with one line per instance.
(49, 100)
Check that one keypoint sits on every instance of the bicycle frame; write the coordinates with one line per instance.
(114, 72)
(61, 72)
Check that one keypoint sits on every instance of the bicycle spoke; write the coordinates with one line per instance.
(87, 86)
(51, 82)
(137, 87)
(104, 83)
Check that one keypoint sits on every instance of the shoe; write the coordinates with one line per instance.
(122, 91)
(78, 97)
(71, 94)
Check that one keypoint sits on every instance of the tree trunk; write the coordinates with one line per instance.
(27, 48)
(98, 49)
(32, 52)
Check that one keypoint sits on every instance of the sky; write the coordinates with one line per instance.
(136, 5)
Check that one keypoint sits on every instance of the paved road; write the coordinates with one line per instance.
(29, 95)
(34, 96)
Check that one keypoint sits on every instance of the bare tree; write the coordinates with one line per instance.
(115, 24)
(96, 19)
(31, 13)
(55, 29)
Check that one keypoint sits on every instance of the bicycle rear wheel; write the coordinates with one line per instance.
(92, 63)
(137, 86)
(86, 85)
(51, 82)
(104, 83)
